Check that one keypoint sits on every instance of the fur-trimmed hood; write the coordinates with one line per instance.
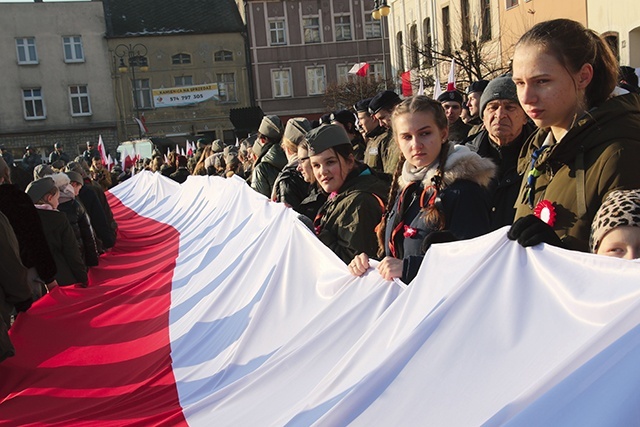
(462, 163)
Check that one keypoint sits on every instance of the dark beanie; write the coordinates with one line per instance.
(384, 100)
(477, 86)
(326, 136)
(451, 95)
(501, 87)
(362, 106)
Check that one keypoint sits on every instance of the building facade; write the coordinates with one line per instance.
(177, 67)
(620, 25)
(55, 78)
(300, 47)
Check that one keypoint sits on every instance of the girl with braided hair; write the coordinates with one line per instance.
(439, 192)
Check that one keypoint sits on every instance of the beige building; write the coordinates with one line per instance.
(56, 77)
(620, 25)
(180, 67)
(517, 16)
(421, 32)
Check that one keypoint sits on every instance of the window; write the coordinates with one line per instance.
(343, 74)
(79, 98)
(73, 49)
(343, 27)
(372, 27)
(183, 81)
(226, 87)
(415, 57)
(281, 83)
(181, 58)
(511, 3)
(428, 42)
(315, 81)
(486, 20)
(142, 88)
(311, 28)
(400, 45)
(26, 48)
(223, 55)
(446, 30)
(33, 104)
(376, 71)
(277, 32)
(465, 22)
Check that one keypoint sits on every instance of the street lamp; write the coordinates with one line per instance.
(381, 9)
(136, 56)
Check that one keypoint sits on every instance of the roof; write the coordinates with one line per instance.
(127, 18)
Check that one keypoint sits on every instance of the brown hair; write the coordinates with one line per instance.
(433, 214)
(573, 45)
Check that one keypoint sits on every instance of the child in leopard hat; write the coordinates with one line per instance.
(615, 230)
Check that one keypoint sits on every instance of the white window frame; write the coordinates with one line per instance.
(372, 27)
(181, 81)
(76, 50)
(279, 32)
(222, 86)
(376, 71)
(81, 93)
(27, 45)
(143, 94)
(342, 73)
(281, 83)
(341, 28)
(33, 99)
(316, 84)
(311, 27)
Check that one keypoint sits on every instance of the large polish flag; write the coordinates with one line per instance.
(218, 307)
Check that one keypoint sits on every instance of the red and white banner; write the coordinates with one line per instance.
(360, 69)
(218, 307)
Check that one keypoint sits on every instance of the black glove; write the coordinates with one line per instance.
(531, 230)
(443, 236)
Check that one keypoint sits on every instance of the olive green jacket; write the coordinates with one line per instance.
(600, 153)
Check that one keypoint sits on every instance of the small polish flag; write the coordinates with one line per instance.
(421, 87)
(451, 84)
(360, 69)
(437, 90)
(102, 151)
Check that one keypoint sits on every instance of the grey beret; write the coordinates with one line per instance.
(501, 87)
(75, 177)
(296, 129)
(41, 171)
(271, 127)
(217, 146)
(38, 188)
(326, 136)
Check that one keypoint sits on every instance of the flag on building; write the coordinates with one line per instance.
(360, 69)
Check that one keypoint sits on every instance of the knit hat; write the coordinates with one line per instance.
(477, 86)
(75, 177)
(326, 136)
(362, 106)
(296, 129)
(451, 95)
(271, 127)
(217, 146)
(620, 208)
(41, 171)
(384, 100)
(38, 188)
(61, 179)
(501, 87)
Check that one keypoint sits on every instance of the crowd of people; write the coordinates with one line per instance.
(550, 149)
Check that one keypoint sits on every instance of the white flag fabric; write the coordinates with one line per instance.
(267, 327)
(437, 89)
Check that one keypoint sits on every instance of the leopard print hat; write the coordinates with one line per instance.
(621, 207)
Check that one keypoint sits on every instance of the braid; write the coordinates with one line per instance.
(433, 214)
(393, 192)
